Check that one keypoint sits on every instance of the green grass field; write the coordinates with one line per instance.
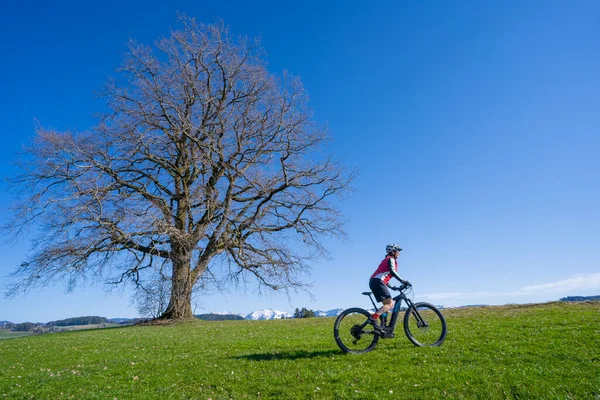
(547, 351)
(6, 334)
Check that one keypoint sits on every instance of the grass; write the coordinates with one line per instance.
(7, 334)
(82, 327)
(544, 351)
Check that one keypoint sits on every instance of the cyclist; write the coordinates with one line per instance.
(378, 283)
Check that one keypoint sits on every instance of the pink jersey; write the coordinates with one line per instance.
(386, 270)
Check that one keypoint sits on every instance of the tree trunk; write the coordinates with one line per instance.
(180, 304)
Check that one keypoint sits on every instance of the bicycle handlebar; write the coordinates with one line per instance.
(401, 287)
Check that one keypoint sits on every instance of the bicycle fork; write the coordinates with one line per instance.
(421, 323)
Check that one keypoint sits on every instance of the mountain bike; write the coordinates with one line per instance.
(424, 325)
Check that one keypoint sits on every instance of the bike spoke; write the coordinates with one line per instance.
(354, 333)
(425, 326)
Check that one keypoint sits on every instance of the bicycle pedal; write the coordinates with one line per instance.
(381, 331)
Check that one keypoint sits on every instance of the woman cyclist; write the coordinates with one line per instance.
(387, 269)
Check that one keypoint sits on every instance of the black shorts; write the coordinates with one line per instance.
(379, 289)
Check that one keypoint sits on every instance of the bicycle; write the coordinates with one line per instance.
(424, 325)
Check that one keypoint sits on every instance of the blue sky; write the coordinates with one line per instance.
(475, 127)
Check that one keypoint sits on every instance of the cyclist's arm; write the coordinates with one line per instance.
(393, 269)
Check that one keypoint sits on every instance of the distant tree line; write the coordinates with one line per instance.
(24, 327)
(52, 325)
(304, 313)
(581, 298)
(218, 317)
(78, 321)
(126, 321)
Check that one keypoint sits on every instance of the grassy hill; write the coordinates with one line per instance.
(544, 351)
(7, 334)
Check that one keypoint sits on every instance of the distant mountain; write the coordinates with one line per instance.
(274, 314)
(331, 313)
(268, 313)
(581, 298)
(465, 306)
(227, 313)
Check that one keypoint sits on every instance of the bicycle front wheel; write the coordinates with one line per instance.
(353, 331)
(425, 325)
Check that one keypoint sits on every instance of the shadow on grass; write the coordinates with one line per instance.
(289, 355)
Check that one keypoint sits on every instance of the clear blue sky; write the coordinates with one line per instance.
(475, 125)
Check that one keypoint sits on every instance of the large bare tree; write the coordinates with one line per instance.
(206, 169)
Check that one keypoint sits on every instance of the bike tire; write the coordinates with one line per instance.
(349, 337)
(435, 329)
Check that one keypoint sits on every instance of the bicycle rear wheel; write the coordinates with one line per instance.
(353, 332)
(425, 325)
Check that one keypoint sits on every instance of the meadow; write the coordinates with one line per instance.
(539, 351)
(7, 334)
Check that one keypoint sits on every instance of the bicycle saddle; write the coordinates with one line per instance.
(366, 293)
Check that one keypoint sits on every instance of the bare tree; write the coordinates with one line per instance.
(152, 298)
(206, 168)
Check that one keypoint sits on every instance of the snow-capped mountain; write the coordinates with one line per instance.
(227, 313)
(268, 313)
(330, 313)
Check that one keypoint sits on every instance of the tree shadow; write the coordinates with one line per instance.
(289, 355)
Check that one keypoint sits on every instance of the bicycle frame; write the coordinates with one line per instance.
(391, 326)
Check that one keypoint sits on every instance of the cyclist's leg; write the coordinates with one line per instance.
(388, 304)
(382, 294)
